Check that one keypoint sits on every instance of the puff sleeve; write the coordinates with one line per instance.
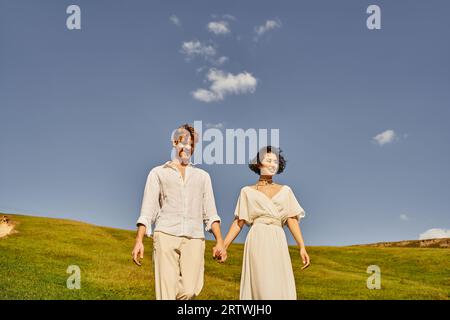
(293, 207)
(242, 208)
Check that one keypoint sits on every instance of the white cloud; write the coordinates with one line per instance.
(269, 25)
(387, 136)
(404, 217)
(193, 48)
(200, 69)
(208, 52)
(435, 233)
(223, 84)
(220, 61)
(205, 95)
(229, 17)
(225, 16)
(175, 20)
(218, 27)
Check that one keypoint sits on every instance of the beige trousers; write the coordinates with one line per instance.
(179, 265)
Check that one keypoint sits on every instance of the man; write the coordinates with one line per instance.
(178, 198)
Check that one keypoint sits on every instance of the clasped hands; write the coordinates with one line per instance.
(220, 252)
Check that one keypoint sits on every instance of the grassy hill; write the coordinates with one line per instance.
(426, 243)
(33, 264)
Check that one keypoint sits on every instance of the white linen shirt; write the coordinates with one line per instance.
(178, 207)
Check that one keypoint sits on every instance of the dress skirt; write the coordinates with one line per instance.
(267, 269)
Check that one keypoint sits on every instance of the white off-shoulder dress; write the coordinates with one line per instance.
(267, 269)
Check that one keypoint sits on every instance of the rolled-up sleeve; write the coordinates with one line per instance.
(150, 202)
(209, 205)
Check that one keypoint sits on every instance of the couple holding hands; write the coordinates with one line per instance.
(178, 199)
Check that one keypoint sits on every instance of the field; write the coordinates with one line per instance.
(33, 264)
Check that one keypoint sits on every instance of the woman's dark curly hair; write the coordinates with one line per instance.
(255, 164)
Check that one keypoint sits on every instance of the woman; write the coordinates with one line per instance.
(267, 207)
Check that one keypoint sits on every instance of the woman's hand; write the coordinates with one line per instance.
(305, 258)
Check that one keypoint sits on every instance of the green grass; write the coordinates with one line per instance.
(33, 264)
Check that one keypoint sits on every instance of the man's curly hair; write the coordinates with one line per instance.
(181, 131)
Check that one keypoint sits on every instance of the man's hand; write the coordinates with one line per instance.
(138, 252)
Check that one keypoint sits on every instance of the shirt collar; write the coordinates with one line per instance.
(169, 164)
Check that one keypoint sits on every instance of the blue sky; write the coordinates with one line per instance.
(85, 114)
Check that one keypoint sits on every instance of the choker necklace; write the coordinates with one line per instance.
(264, 180)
